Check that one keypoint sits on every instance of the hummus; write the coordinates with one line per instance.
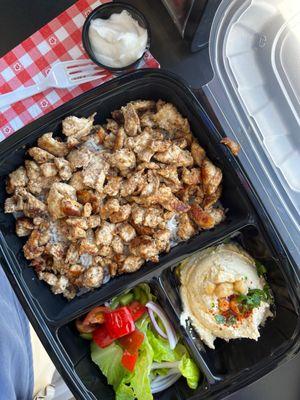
(222, 294)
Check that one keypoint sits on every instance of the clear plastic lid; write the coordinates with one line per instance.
(179, 11)
(255, 93)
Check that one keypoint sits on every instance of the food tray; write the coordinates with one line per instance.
(231, 365)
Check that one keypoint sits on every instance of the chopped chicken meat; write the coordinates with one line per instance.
(40, 156)
(175, 155)
(186, 228)
(198, 153)
(211, 177)
(16, 179)
(77, 127)
(131, 264)
(232, 145)
(48, 169)
(53, 146)
(99, 201)
(24, 226)
(59, 192)
(131, 120)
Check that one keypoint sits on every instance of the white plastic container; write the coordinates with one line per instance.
(255, 94)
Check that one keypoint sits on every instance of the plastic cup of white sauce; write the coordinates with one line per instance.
(116, 36)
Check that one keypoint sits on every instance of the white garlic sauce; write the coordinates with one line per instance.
(117, 41)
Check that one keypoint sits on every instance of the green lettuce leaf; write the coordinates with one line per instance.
(124, 392)
(161, 348)
(109, 362)
(137, 385)
(190, 371)
(163, 353)
(140, 379)
(127, 386)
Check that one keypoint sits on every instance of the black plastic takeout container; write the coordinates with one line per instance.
(104, 12)
(231, 365)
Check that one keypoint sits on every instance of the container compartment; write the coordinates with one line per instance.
(77, 353)
(142, 84)
(245, 358)
(227, 368)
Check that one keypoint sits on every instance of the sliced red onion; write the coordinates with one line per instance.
(163, 365)
(171, 334)
(155, 324)
(161, 383)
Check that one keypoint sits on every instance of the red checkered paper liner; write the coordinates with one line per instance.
(30, 61)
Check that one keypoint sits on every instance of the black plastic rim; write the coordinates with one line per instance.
(105, 11)
(48, 331)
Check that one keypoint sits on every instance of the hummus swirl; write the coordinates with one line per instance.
(212, 277)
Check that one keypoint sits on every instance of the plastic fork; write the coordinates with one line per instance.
(61, 75)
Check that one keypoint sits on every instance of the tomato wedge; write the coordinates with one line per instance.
(119, 322)
(101, 337)
(132, 342)
(136, 310)
(95, 316)
(129, 360)
(83, 328)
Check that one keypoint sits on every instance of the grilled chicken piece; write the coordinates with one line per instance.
(40, 156)
(94, 173)
(32, 249)
(186, 228)
(170, 119)
(126, 232)
(198, 153)
(48, 169)
(123, 159)
(79, 158)
(77, 127)
(58, 193)
(131, 264)
(144, 247)
(16, 179)
(64, 168)
(211, 177)
(104, 234)
(232, 145)
(32, 207)
(192, 176)
(131, 120)
(93, 277)
(24, 226)
(165, 198)
(175, 155)
(206, 219)
(53, 146)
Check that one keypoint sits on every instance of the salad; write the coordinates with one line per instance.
(135, 346)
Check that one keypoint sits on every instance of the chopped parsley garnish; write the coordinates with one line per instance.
(254, 297)
(212, 305)
(260, 268)
(220, 319)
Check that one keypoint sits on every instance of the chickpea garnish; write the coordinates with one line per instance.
(224, 289)
(240, 287)
(209, 287)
